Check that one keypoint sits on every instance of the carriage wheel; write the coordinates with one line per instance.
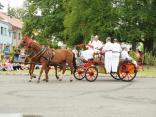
(127, 71)
(91, 74)
(115, 75)
(79, 73)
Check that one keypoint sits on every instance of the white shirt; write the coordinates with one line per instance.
(96, 44)
(116, 47)
(108, 47)
(125, 55)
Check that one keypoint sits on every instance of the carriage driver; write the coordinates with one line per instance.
(116, 50)
(96, 46)
(108, 55)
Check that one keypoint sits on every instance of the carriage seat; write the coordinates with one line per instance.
(84, 60)
(124, 60)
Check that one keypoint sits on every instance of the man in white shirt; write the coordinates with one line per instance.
(96, 43)
(125, 55)
(116, 50)
(96, 46)
(108, 55)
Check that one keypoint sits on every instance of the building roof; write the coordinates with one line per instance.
(13, 21)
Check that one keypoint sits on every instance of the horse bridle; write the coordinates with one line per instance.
(40, 53)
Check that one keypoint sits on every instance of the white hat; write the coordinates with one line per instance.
(108, 39)
(115, 40)
(97, 37)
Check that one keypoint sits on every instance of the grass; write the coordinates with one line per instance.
(149, 71)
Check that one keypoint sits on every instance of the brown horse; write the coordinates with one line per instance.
(47, 57)
(30, 58)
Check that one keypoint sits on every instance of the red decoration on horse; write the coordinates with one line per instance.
(28, 40)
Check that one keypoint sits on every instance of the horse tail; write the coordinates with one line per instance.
(74, 62)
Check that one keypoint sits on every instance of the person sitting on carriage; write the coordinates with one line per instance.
(77, 53)
(93, 47)
(125, 56)
(96, 43)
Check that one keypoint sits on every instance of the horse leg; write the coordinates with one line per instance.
(41, 71)
(56, 72)
(72, 71)
(63, 71)
(31, 70)
(47, 68)
(33, 75)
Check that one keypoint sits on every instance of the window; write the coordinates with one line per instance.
(9, 34)
(1, 30)
(14, 35)
(5, 31)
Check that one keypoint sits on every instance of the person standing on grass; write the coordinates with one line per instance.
(16, 55)
(7, 53)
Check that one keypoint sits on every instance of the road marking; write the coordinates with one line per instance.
(11, 115)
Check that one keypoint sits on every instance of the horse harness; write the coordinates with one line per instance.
(40, 55)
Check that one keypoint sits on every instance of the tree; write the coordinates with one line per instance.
(138, 21)
(46, 25)
(18, 13)
(74, 21)
(84, 18)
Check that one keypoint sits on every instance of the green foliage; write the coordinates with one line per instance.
(134, 56)
(149, 59)
(84, 18)
(138, 21)
(74, 21)
(47, 24)
(18, 13)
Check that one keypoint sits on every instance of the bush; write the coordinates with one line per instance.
(149, 59)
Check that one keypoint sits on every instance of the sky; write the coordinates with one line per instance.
(13, 3)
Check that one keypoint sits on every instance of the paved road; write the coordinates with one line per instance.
(103, 98)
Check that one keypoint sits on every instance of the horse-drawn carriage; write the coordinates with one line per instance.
(89, 68)
(65, 58)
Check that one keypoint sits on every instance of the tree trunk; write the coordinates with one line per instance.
(148, 45)
(134, 44)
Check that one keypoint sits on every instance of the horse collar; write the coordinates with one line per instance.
(40, 53)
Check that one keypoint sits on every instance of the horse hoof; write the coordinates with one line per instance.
(44, 79)
(33, 75)
(60, 79)
(29, 80)
(71, 80)
(38, 81)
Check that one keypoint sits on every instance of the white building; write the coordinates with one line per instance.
(5, 33)
(10, 30)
